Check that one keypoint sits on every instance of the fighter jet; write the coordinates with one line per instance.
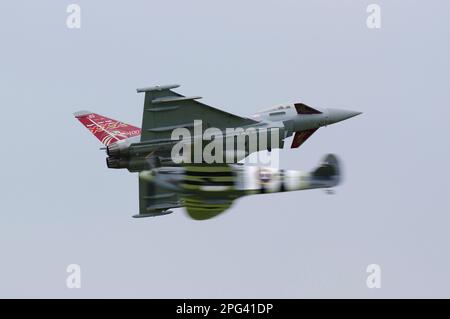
(205, 188)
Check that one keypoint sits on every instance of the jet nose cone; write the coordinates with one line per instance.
(337, 115)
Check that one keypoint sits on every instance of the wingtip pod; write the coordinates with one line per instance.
(82, 113)
(328, 174)
(155, 213)
(157, 88)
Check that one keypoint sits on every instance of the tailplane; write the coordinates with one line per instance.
(106, 130)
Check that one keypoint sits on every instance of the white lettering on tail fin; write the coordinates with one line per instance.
(106, 130)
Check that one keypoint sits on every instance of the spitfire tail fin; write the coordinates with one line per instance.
(106, 130)
(328, 174)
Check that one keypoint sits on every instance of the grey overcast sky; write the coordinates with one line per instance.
(60, 205)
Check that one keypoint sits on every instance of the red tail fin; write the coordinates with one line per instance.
(106, 130)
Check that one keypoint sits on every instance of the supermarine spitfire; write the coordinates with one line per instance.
(207, 186)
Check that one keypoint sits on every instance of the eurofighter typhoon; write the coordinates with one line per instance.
(189, 154)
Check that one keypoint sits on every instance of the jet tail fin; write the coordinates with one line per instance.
(105, 129)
